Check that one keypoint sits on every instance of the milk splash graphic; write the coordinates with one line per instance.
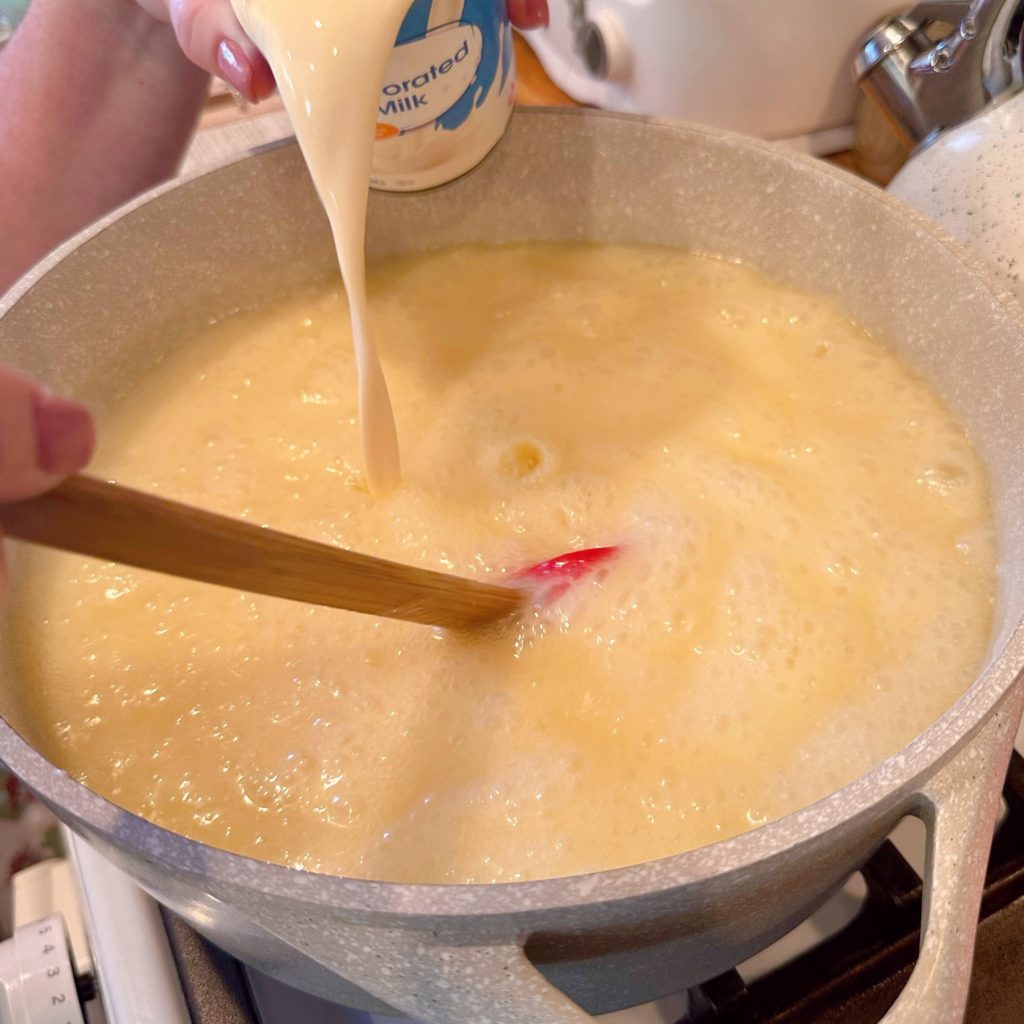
(401, 97)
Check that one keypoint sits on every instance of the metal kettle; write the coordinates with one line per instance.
(928, 70)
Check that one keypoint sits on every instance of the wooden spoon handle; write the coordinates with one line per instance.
(105, 520)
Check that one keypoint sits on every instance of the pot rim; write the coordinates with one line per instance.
(897, 775)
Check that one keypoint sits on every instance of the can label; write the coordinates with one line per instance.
(447, 94)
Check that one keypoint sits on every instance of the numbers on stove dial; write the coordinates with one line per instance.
(36, 976)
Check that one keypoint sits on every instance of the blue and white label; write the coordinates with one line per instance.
(428, 76)
(447, 95)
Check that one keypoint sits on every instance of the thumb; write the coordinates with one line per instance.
(43, 438)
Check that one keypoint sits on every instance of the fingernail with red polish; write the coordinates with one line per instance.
(65, 436)
(537, 13)
(233, 63)
(263, 83)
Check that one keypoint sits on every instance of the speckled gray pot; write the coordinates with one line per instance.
(99, 312)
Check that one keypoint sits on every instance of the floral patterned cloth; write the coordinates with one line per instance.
(28, 834)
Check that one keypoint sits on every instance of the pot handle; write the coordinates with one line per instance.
(460, 984)
(959, 805)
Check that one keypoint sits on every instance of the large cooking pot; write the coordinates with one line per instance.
(105, 308)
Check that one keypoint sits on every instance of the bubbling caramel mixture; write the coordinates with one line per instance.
(806, 579)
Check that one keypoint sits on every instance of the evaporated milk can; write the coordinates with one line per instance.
(448, 93)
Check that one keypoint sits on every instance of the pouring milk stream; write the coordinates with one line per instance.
(435, 104)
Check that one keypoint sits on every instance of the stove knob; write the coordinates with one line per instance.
(37, 982)
(605, 48)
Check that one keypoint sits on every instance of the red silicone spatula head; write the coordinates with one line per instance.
(550, 580)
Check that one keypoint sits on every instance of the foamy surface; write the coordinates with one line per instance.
(806, 579)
